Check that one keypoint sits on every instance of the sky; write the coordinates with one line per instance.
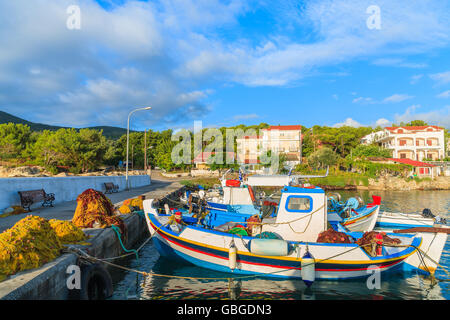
(224, 63)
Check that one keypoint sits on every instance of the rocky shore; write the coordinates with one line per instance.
(36, 171)
(397, 184)
(401, 184)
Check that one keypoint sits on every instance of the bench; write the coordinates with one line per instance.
(111, 187)
(27, 198)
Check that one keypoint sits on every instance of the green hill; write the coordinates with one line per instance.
(108, 131)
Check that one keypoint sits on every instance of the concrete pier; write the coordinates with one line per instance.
(49, 281)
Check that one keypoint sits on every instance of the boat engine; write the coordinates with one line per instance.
(336, 196)
(354, 203)
(426, 213)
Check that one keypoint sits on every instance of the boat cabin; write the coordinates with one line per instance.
(301, 214)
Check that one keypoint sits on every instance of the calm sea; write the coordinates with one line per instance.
(129, 285)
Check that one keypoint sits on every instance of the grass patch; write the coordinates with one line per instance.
(207, 183)
(342, 180)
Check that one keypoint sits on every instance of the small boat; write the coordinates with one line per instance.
(353, 214)
(398, 220)
(239, 201)
(301, 218)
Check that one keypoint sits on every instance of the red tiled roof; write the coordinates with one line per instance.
(251, 161)
(291, 127)
(204, 156)
(413, 128)
(251, 137)
(411, 162)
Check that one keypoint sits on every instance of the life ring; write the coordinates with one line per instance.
(95, 284)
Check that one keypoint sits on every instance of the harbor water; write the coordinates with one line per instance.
(395, 285)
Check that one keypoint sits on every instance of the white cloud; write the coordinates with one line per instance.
(445, 94)
(349, 122)
(397, 98)
(342, 35)
(245, 116)
(415, 78)
(440, 117)
(441, 78)
(397, 62)
(363, 100)
(382, 122)
(167, 53)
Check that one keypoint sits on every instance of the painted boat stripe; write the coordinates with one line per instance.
(380, 262)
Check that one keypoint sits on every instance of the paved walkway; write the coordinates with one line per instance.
(65, 210)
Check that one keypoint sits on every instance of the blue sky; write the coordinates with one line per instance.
(225, 62)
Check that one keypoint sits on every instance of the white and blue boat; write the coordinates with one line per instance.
(238, 200)
(301, 216)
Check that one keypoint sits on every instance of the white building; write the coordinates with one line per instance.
(279, 139)
(448, 148)
(415, 142)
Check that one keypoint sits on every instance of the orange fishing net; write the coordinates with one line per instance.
(94, 209)
(370, 237)
(333, 236)
(131, 205)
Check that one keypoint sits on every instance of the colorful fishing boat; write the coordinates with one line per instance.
(240, 201)
(292, 250)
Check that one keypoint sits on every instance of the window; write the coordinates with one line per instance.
(299, 203)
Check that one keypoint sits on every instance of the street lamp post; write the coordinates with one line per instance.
(128, 142)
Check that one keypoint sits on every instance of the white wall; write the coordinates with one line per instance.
(64, 188)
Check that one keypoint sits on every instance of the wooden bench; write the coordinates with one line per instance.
(111, 187)
(27, 198)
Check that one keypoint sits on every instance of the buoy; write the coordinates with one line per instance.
(379, 240)
(232, 253)
(308, 268)
(178, 217)
(166, 208)
(269, 247)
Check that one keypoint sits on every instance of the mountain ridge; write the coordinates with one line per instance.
(108, 131)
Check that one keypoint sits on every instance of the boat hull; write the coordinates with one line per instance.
(209, 249)
(394, 220)
(362, 222)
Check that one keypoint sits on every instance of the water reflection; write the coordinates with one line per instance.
(392, 285)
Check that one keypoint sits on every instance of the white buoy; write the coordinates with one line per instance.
(232, 253)
(167, 209)
(308, 270)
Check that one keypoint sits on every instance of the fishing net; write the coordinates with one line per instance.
(268, 235)
(67, 232)
(13, 210)
(95, 210)
(333, 236)
(369, 242)
(239, 230)
(124, 209)
(131, 205)
(253, 225)
(29, 244)
(370, 237)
